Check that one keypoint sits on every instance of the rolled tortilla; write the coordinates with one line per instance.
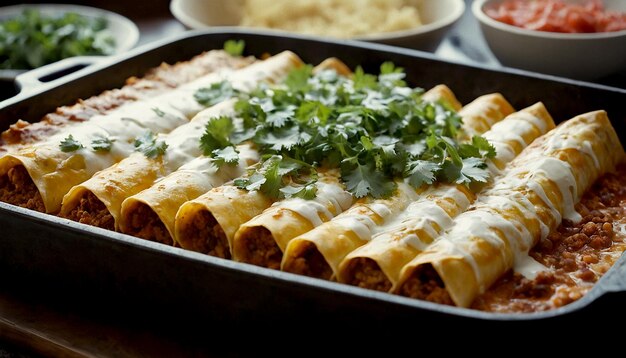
(150, 214)
(377, 264)
(540, 188)
(262, 240)
(319, 252)
(90, 201)
(208, 224)
(46, 173)
(157, 81)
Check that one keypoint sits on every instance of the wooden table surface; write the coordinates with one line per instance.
(30, 325)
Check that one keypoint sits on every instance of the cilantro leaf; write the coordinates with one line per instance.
(283, 138)
(486, 149)
(421, 172)
(363, 80)
(102, 144)
(216, 134)
(362, 180)
(306, 192)
(214, 94)
(228, 155)
(69, 144)
(310, 110)
(234, 47)
(298, 79)
(280, 117)
(150, 146)
(474, 169)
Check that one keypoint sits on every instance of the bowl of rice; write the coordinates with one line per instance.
(417, 24)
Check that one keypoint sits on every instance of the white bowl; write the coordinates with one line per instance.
(438, 17)
(585, 56)
(124, 31)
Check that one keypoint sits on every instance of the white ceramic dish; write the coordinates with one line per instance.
(438, 17)
(124, 31)
(585, 56)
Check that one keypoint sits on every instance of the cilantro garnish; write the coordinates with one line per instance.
(216, 134)
(149, 145)
(69, 144)
(374, 128)
(214, 94)
(234, 47)
(228, 155)
(102, 144)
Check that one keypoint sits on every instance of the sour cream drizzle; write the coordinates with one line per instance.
(316, 211)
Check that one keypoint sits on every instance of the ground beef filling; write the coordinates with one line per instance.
(207, 236)
(91, 211)
(577, 254)
(144, 223)
(261, 248)
(425, 284)
(366, 273)
(17, 188)
(310, 262)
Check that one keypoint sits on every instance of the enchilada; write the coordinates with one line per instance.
(377, 264)
(102, 195)
(319, 252)
(215, 209)
(523, 206)
(155, 82)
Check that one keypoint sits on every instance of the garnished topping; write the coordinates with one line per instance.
(216, 93)
(280, 177)
(69, 144)
(374, 128)
(150, 146)
(102, 144)
(228, 155)
(234, 47)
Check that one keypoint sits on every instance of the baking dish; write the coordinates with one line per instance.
(53, 254)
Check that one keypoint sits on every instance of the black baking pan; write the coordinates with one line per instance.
(107, 272)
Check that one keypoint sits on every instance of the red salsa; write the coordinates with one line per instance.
(558, 16)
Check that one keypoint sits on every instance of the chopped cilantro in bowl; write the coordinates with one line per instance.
(33, 39)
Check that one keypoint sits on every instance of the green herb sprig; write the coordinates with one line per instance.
(31, 39)
(374, 128)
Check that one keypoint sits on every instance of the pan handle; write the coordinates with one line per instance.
(48, 75)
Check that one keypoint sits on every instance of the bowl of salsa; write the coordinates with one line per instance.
(581, 39)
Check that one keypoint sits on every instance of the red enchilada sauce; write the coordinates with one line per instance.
(558, 16)
(576, 255)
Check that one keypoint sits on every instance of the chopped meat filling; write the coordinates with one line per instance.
(91, 211)
(207, 236)
(261, 248)
(426, 284)
(366, 273)
(310, 262)
(577, 254)
(17, 188)
(145, 224)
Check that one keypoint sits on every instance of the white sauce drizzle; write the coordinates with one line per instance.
(312, 210)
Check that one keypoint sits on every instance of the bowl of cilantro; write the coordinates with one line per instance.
(36, 35)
